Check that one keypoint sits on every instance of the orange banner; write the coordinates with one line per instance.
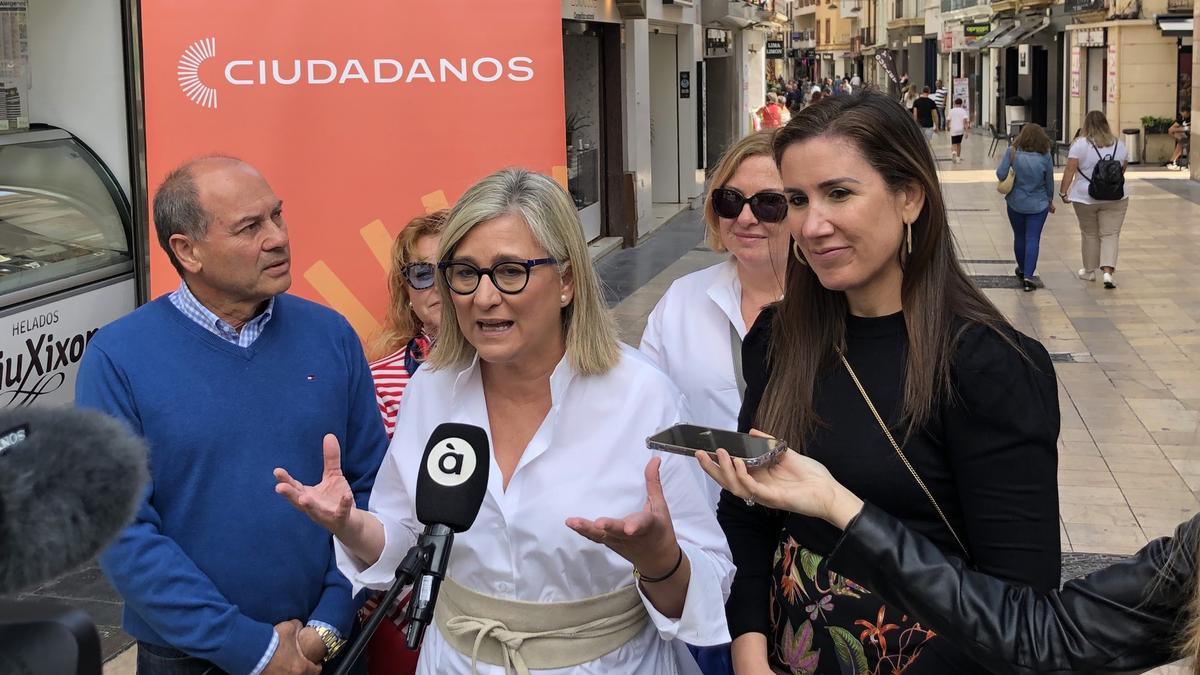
(361, 115)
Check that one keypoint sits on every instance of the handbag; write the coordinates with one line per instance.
(1006, 185)
(896, 446)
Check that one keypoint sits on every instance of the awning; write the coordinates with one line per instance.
(1025, 29)
(1175, 25)
(999, 30)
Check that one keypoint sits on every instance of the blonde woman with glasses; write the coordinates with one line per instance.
(576, 504)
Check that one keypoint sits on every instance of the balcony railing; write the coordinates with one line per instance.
(1078, 6)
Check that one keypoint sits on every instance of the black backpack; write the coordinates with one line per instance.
(1107, 182)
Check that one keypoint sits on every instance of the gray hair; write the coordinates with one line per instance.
(177, 207)
(590, 330)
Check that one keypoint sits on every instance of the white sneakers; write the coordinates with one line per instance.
(1090, 275)
(1174, 167)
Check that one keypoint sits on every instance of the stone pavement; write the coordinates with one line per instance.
(1127, 359)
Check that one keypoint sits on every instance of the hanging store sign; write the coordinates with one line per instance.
(974, 31)
(1090, 37)
(774, 49)
(360, 118)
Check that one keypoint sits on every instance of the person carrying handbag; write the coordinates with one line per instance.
(1028, 191)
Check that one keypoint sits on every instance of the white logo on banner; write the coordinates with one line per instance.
(189, 72)
(372, 71)
(451, 462)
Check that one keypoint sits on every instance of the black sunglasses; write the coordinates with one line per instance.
(767, 206)
(508, 277)
(419, 275)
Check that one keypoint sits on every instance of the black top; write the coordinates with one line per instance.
(989, 458)
(925, 108)
(1123, 618)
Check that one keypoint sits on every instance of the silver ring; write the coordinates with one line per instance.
(749, 501)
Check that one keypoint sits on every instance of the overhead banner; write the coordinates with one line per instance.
(361, 115)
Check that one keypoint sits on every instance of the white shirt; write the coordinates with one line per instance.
(687, 337)
(958, 121)
(1082, 150)
(587, 459)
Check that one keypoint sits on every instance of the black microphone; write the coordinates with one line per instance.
(451, 484)
(70, 480)
(450, 489)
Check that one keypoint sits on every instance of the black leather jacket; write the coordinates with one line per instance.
(1122, 618)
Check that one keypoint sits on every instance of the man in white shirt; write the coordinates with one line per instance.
(960, 126)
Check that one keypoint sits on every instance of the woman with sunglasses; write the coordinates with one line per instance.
(590, 553)
(886, 364)
(411, 325)
(413, 315)
(694, 334)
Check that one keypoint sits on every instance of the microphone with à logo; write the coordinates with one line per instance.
(450, 490)
(451, 485)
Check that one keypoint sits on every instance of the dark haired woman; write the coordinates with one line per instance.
(885, 363)
(1031, 200)
(1133, 615)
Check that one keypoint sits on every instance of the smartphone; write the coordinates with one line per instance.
(686, 439)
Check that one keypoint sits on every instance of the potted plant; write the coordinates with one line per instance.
(1157, 144)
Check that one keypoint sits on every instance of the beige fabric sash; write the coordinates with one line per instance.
(523, 635)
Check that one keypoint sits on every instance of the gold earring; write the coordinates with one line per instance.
(797, 254)
(908, 237)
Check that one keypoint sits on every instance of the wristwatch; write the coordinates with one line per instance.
(333, 643)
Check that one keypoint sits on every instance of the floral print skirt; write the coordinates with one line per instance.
(825, 623)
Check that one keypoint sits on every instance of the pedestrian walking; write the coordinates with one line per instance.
(960, 128)
(1031, 199)
(771, 115)
(924, 111)
(1180, 131)
(908, 96)
(1099, 198)
(939, 97)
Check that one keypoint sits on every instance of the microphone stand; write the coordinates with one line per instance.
(415, 562)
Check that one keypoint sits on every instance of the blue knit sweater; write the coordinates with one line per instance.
(214, 558)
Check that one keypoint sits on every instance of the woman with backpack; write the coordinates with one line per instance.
(1099, 196)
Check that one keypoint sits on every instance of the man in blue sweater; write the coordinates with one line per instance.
(227, 378)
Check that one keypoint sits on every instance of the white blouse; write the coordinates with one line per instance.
(587, 459)
(687, 337)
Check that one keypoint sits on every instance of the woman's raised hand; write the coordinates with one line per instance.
(330, 502)
(645, 538)
(793, 482)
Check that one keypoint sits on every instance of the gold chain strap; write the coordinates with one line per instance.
(887, 432)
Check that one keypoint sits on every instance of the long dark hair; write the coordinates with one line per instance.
(939, 300)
